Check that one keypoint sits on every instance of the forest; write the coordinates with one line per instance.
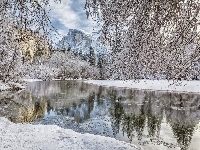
(148, 39)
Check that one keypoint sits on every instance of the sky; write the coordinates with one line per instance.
(70, 14)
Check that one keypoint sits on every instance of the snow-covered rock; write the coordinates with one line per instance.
(79, 41)
(51, 137)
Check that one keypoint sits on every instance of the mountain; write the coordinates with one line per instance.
(81, 42)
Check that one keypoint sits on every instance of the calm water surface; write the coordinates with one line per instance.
(152, 120)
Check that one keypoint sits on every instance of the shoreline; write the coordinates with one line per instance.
(190, 87)
(50, 137)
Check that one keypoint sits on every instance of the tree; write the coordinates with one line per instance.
(159, 36)
(18, 17)
(101, 66)
(92, 57)
(69, 49)
(80, 53)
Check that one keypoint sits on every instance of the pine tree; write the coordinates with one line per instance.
(80, 53)
(92, 57)
(101, 66)
(85, 57)
(69, 49)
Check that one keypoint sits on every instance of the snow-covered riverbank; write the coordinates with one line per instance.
(4, 86)
(10, 86)
(51, 137)
(161, 85)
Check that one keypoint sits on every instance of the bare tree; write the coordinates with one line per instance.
(17, 17)
(159, 36)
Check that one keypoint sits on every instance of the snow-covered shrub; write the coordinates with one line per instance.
(61, 66)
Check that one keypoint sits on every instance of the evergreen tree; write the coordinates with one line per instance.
(101, 66)
(80, 53)
(92, 57)
(85, 57)
(76, 53)
(69, 49)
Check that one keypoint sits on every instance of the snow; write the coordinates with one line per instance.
(32, 80)
(16, 85)
(10, 86)
(160, 85)
(81, 41)
(4, 86)
(51, 137)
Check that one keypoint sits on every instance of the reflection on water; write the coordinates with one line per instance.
(21, 106)
(154, 120)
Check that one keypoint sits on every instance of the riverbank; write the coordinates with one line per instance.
(159, 85)
(10, 86)
(51, 137)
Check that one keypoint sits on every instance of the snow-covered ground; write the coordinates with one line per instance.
(161, 85)
(10, 86)
(4, 86)
(51, 137)
(31, 80)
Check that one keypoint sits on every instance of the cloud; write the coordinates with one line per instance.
(70, 14)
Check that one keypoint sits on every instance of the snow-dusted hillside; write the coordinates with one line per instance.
(79, 41)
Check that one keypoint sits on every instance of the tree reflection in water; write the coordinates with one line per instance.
(138, 116)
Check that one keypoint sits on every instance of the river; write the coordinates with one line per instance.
(150, 119)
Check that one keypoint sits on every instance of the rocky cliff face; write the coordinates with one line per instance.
(79, 41)
(32, 43)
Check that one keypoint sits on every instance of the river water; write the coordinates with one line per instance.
(150, 119)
